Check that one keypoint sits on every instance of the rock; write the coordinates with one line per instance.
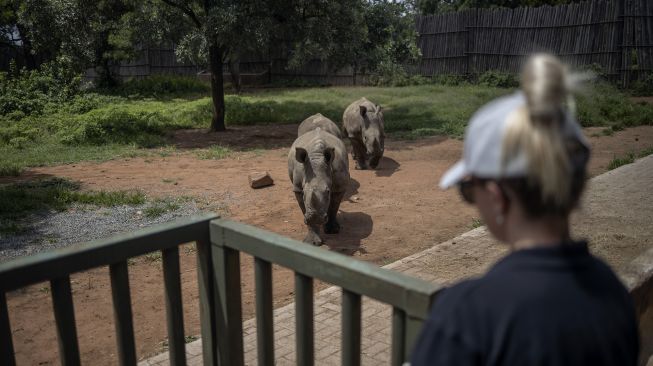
(260, 180)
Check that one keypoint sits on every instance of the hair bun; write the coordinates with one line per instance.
(545, 85)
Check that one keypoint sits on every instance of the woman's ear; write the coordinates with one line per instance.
(500, 202)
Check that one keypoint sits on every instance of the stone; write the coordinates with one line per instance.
(260, 180)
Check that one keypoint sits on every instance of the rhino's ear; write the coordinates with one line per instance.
(329, 154)
(363, 110)
(378, 108)
(301, 154)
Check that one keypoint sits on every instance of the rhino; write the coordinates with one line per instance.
(318, 167)
(318, 120)
(363, 125)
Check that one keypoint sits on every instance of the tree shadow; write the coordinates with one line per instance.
(352, 190)
(354, 227)
(387, 167)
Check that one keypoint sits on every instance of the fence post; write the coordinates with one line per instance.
(620, 39)
(229, 318)
(207, 301)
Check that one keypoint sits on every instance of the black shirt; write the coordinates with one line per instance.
(544, 306)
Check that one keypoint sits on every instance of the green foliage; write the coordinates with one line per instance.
(643, 86)
(100, 127)
(10, 169)
(602, 104)
(24, 92)
(215, 152)
(160, 207)
(617, 162)
(498, 79)
(20, 199)
(392, 74)
(162, 85)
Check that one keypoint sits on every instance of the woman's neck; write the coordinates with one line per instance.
(538, 233)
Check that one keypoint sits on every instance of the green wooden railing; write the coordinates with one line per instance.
(219, 243)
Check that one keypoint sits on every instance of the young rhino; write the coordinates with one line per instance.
(363, 125)
(318, 120)
(319, 171)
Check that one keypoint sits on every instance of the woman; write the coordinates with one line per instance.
(549, 302)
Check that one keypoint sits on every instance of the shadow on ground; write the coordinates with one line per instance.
(387, 167)
(354, 227)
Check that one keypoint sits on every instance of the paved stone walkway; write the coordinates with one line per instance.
(473, 251)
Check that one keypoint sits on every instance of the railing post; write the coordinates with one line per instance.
(6, 344)
(399, 354)
(304, 337)
(351, 328)
(229, 321)
(264, 313)
(207, 301)
(174, 308)
(64, 316)
(413, 328)
(122, 312)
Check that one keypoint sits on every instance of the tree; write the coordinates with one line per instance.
(224, 29)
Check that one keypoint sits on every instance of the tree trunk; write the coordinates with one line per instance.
(234, 70)
(217, 87)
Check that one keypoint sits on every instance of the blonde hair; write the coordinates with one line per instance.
(536, 130)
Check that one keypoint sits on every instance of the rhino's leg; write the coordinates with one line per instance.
(300, 199)
(312, 236)
(332, 226)
(358, 152)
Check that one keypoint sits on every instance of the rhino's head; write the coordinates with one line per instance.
(373, 135)
(317, 181)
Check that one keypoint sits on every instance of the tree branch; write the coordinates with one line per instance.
(186, 10)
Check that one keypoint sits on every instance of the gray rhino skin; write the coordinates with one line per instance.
(318, 120)
(318, 167)
(363, 125)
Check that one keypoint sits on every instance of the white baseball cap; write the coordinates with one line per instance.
(482, 154)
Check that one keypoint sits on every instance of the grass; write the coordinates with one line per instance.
(20, 199)
(135, 123)
(629, 158)
(476, 223)
(160, 207)
(215, 152)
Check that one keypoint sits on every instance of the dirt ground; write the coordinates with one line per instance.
(389, 213)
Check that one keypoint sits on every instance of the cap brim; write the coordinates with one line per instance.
(454, 175)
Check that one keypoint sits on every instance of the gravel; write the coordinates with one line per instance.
(51, 229)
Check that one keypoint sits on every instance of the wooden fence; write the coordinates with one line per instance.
(615, 35)
(219, 243)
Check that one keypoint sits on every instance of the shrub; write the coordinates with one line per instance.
(643, 86)
(31, 92)
(162, 85)
(498, 79)
(113, 125)
(392, 74)
(602, 104)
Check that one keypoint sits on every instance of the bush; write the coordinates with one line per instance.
(113, 125)
(498, 79)
(31, 92)
(449, 79)
(162, 85)
(392, 74)
(643, 87)
(602, 104)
